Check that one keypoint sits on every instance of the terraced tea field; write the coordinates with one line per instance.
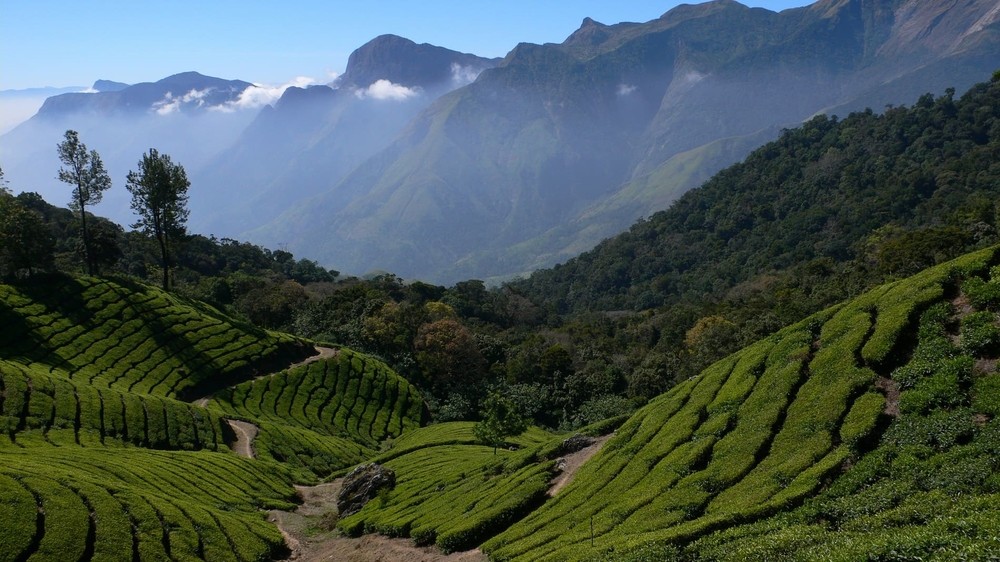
(348, 394)
(758, 434)
(869, 430)
(119, 503)
(453, 492)
(102, 459)
(134, 338)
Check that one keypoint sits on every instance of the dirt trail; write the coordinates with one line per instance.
(309, 533)
(323, 353)
(573, 462)
(245, 434)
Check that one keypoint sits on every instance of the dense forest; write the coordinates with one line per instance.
(830, 209)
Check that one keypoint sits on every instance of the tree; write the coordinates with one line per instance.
(159, 197)
(85, 172)
(500, 420)
(25, 240)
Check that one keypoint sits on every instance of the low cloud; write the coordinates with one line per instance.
(693, 77)
(462, 75)
(625, 89)
(386, 90)
(170, 103)
(260, 95)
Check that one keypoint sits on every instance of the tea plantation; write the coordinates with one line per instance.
(798, 447)
(866, 431)
(102, 457)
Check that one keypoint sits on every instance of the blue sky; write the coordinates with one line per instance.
(74, 42)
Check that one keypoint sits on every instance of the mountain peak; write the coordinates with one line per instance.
(590, 33)
(692, 11)
(108, 86)
(404, 62)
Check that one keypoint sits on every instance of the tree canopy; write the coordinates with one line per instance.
(159, 197)
(85, 172)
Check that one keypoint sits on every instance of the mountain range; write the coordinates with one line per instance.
(443, 166)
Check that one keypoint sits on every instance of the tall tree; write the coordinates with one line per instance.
(85, 172)
(159, 197)
(25, 241)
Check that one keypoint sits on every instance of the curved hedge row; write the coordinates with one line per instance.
(69, 412)
(455, 493)
(754, 435)
(133, 337)
(349, 395)
(73, 503)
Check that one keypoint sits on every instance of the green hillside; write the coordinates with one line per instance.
(821, 191)
(102, 458)
(452, 491)
(867, 430)
(131, 337)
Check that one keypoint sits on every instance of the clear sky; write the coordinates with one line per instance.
(74, 42)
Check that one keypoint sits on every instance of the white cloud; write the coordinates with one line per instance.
(167, 105)
(462, 75)
(259, 95)
(170, 103)
(386, 90)
(693, 77)
(625, 89)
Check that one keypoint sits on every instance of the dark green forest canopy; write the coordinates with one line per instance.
(931, 172)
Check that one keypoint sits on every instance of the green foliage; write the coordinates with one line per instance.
(501, 419)
(862, 419)
(26, 245)
(768, 429)
(132, 337)
(159, 197)
(453, 492)
(86, 173)
(113, 502)
(980, 333)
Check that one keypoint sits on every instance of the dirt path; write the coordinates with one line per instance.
(323, 353)
(309, 533)
(573, 462)
(890, 388)
(245, 433)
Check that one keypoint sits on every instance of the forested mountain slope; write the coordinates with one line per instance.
(564, 144)
(929, 173)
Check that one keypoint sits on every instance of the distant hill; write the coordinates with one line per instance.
(445, 166)
(312, 137)
(188, 91)
(920, 173)
(189, 116)
(564, 144)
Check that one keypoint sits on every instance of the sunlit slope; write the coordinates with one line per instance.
(349, 394)
(767, 429)
(114, 503)
(133, 337)
(452, 491)
(104, 457)
(327, 415)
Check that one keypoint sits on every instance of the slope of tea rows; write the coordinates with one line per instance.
(764, 430)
